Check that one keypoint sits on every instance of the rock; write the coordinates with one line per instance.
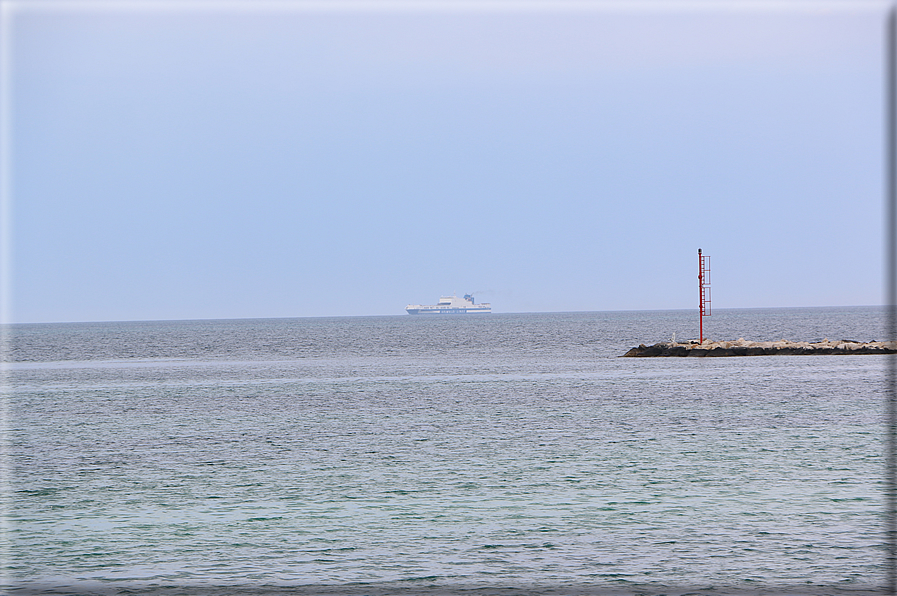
(741, 347)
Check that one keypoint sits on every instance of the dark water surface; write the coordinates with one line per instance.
(503, 453)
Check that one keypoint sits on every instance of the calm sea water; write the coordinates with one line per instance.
(486, 454)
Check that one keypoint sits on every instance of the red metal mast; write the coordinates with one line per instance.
(703, 291)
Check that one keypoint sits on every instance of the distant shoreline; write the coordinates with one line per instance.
(404, 315)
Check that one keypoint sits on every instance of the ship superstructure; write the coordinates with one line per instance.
(449, 305)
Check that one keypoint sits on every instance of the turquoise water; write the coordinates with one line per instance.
(496, 454)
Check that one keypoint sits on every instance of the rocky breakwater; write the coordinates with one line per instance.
(741, 347)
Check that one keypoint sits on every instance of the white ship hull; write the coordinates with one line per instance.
(438, 310)
(449, 305)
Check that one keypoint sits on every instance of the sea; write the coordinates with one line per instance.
(490, 454)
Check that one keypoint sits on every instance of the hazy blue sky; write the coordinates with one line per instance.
(220, 160)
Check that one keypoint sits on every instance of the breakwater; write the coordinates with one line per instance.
(741, 347)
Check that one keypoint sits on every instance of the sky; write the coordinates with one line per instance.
(207, 160)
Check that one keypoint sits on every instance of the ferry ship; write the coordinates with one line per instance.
(449, 305)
